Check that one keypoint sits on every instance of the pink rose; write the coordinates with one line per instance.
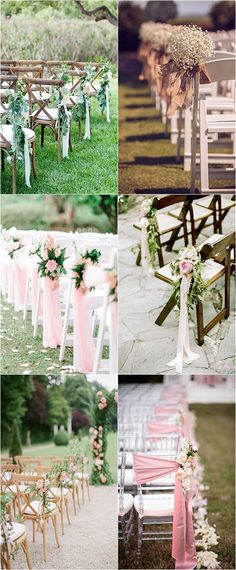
(103, 478)
(51, 265)
(186, 266)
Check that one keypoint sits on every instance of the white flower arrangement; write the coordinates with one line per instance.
(146, 30)
(190, 47)
(187, 462)
(148, 220)
(14, 244)
(207, 559)
(160, 36)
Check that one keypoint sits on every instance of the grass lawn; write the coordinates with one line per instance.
(60, 451)
(24, 354)
(91, 167)
(215, 435)
(147, 160)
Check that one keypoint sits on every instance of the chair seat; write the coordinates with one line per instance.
(56, 492)
(53, 112)
(6, 130)
(168, 481)
(157, 505)
(166, 223)
(13, 488)
(199, 213)
(43, 96)
(205, 202)
(16, 530)
(128, 502)
(210, 271)
(37, 506)
(80, 475)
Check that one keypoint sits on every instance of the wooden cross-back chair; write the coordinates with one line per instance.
(173, 221)
(13, 535)
(221, 206)
(81, 478)
(43, 115)
(27, 70)
(217, 249)
(7, 81)
(32, 509)
(6, 135)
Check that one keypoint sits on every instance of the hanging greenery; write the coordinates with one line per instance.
(88, 258)
(105, 82)
(17, 115)
(101, 472)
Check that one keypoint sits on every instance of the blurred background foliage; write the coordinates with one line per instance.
(37, 403)
(30, 30)
(60, 212)
(221, 16)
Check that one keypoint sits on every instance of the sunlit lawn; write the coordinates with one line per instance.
(60, 451)
(91, 167)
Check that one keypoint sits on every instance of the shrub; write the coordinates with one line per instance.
(79, 421)
(223, 15)
(15, 446)
(61, 438)
(25, 37)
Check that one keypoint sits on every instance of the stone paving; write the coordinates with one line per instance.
(145, 348)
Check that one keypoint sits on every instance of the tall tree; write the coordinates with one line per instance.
(58, 409)
(15, 445)
(15, 392)
(78, 393)
(98, 13)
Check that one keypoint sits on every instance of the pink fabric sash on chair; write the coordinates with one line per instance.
(19, 285)
(52, 324)
(148, 468)
(84, 351)
(157, 428)
(35, 283)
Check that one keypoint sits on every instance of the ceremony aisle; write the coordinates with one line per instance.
(214, 433)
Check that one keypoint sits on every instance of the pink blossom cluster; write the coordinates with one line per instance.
(97, 445)
(102, 402)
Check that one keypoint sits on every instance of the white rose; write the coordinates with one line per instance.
(57, 252)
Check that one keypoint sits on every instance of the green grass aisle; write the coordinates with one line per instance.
(147, 159)
(91, 167)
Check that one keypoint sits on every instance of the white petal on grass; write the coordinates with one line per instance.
(29, 346)
(26, 372)
(15, 318)
(31, 351)
(14, 349)
(47, 358)
(42, 350)
(7, 338)
(50, 368)
(25, 365)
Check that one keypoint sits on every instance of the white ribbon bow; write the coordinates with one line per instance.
(184, 352)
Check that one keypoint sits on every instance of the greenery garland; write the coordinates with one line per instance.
(17, 117)
(93, 256)
(105, 82)
(101, 474)
(148, 219)
(197, 288)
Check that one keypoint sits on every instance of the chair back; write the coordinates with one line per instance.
(35, 86)
(209, 251)
(220, 69)
(27, 71)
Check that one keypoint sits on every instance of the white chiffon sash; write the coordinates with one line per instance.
(27, 162)
(87, 123)
(145, 253)
(66, 137)
(184, 352)
(107, 104)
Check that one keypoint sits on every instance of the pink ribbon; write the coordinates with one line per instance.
(148, 468)
(157, 428)
(35, 285)
(19, 285)
(52, 324)
(83, 344)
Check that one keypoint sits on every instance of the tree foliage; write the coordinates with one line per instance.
(15, 392)
(161, 11)
(58, 408)
(223, 15)
(78, 393)
(79, 421)
(15, 445)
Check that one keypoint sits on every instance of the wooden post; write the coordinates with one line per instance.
(196, 82)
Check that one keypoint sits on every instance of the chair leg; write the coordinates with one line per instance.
(44, 541)
(61, 513)
(70, 142)
(88, 492)
(166, 310)
(73, 499)
(67, 512)
(77, 493)
(227, 285)
(79, 131)
(140, 538)
(2, 160)
(42, 135)
(138, 259)
(33, 531)
(200, 324)
(25, 549)
(54, 522)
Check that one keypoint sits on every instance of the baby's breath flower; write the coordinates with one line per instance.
(191, 46)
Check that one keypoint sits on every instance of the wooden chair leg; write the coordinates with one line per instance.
(172, 239)
(33, 531)
(2, 160)
(160, 254)
(82, 489)
(42, 135)
(138, 258)
(200, 323)
(87, 484)
(54, 522)
(166, 310)
(44, 541)
(67, 511)
(14, 175)
(70, 142)
(25, 549)
(79, 131)
(61, 513)
(227, 285)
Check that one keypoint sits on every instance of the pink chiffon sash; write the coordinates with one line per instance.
(148, 468)
(52, 324)
(35, 285)
(157, 428)
(19, 286)
(84, 350)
